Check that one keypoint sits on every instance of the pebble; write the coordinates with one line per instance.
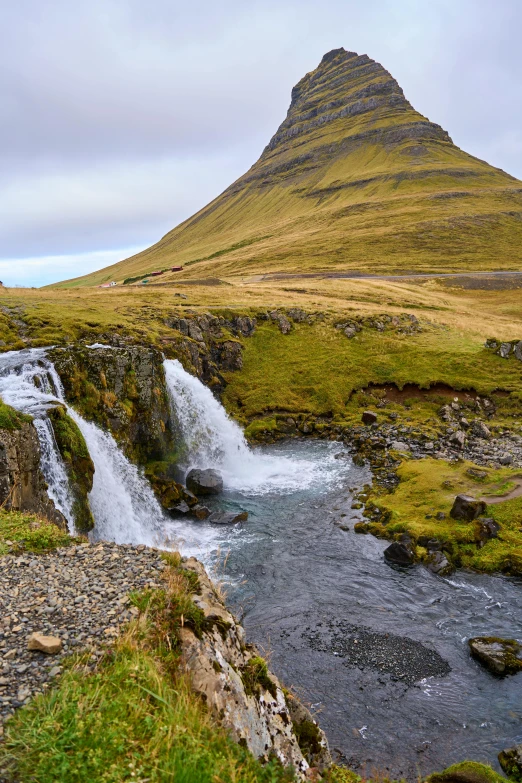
(78, 594)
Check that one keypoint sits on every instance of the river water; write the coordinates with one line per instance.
(378, 652)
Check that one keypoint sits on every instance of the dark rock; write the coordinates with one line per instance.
(369, 417)
(458, 439)
(511, 761)
(440, 515)
(399, 553)
(467, 508)
(499, 656)
(296, 314)
(179, 508)
(431, 544)
(505, 458)
(517, 350)
(487, 528)
(479, 429)
(204, 482)
(200, 512)
(245, 325)
(188, 496)
(227, 517)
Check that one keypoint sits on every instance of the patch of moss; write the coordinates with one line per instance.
(11, 419)
(467, 772)
(21, 531)
(78, 462)
(308, 737)
(255, 676)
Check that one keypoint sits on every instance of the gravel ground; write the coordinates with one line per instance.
(78, 593)
(402, 658)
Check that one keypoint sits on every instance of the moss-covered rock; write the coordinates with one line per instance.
(78, 463)
(499, 656)
(466, 772)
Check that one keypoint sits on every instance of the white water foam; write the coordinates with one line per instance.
(124, 506)
(213, 440)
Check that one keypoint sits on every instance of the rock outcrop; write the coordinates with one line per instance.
(22, 483)
(241, 692)
(499, 656)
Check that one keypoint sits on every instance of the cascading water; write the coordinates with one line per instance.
(213, 440)
(124, 507)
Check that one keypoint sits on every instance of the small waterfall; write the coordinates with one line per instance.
(26, 384)
(213, 440)
(124, 506)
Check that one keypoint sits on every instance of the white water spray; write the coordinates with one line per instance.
(213, 440)
(124, 506)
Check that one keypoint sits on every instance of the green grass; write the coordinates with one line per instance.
(135, 717)
(29, 532)
(467, 770)
(429, 486)
(11, 419)
(316, 368)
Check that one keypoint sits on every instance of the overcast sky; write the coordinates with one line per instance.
(120, 118)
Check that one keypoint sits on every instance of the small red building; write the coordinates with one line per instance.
(156, 274)
(176, 269)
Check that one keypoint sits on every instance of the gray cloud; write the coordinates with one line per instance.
(122, 117)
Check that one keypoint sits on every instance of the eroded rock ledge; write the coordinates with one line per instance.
(241, 692)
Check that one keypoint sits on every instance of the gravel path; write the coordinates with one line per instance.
(78, 593)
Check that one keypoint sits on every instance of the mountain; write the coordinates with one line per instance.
(353, 179)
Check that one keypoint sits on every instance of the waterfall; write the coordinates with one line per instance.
(213, 440)
(124, 506)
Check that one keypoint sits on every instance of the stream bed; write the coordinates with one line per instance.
(380, 653)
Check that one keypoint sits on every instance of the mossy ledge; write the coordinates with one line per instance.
(79, 465)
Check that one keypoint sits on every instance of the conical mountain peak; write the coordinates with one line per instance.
(354, 179)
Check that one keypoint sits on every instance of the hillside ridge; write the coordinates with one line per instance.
(354, 178)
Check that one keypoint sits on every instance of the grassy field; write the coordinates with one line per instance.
(376, 186)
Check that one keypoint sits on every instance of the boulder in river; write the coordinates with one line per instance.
(467, 508)
(511, 761)
(438, 563)
(204, 482)
(227, 517)
(400, 553)
(499, 656)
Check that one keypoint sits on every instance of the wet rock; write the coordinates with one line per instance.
(400, 553)
(438, 563)
(51, 645)
(369, 417)
(200, 512)
(511, 761)
(180, 508)
(479, 429)
(467, 508)
(204, 482)
(227, 517)
(499, 656)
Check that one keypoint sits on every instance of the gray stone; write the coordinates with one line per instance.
(479, 429)
(438, 563)
(505, 458)
(467, 508)
(399, 445)
(517, 350)
(487, 528)
(504, 350)
(499, 656)
(204, 482)
(458, 439)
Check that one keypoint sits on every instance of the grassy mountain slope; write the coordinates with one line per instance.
(354, 179)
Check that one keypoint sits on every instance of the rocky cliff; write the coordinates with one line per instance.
(240, 690)
(22, 484)
(354, 178)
